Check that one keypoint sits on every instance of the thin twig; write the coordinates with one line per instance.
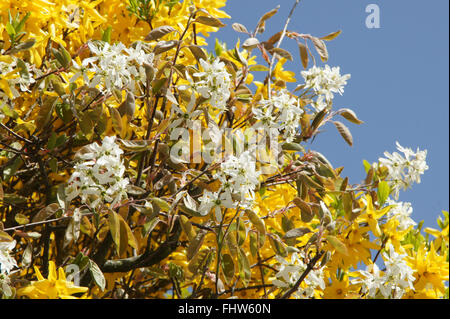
(279, 43)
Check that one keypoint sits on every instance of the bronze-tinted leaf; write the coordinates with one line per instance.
(283, 53)
(321, 48)
(45, 112)
(116, 120)
(45, 213)
(210, 21)
(265, 17)
(250, 43)
(163, 46)
(159, 32)
(305, 210)
(198, 52)
(239, 28)
(349, 115)
(303, 54)
(331, 36)
(344, 131)
(296, 232)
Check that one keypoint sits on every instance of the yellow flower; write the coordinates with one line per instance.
(431, 270)
(55, 287)
(280, 74)
(371, 216)
(338, 289)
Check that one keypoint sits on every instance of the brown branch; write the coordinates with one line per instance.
(304, 274)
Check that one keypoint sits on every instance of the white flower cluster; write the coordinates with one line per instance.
(239, 178)
(215, 83)
(99, 177)
(24, 80)
(325, 81)
(290, 272)
(404, 170)
(391, 283)
(7, 263)
(402, 212)
(281, 111)
(114, 66)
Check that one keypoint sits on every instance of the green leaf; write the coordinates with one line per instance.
(45, 112)
(337, 244)
(10, 30)
(21, 219)
(13, 199)
(259, 68)
(383, 192)
(97, 274)
(114, 228)
(228, 267)
(106, 36)
(277, 245)
(256, 221)
(195, 244)
(305, 210)
(187, 227)
(293, 147)
(244, 267)
(161, 203)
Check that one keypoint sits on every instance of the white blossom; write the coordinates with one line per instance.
(281, 111)
(325, 81)
(7, 262)
(404, 170)
(113, 66)
(402, 212)
(393, 282)
(290, 272)
(98, 177)
(215, 83)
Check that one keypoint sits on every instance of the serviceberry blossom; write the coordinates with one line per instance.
(399, 276)
(114, 65)
(24, 78)
(239, 174)
(325, 82)
(404, 170)
(393, 281)
(214, 84)
(239, 178)
(98, 177)
(401, 211)
(7, 262)
(290, 271)
(281, 111)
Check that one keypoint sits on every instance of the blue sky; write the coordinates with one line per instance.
(399, 83)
